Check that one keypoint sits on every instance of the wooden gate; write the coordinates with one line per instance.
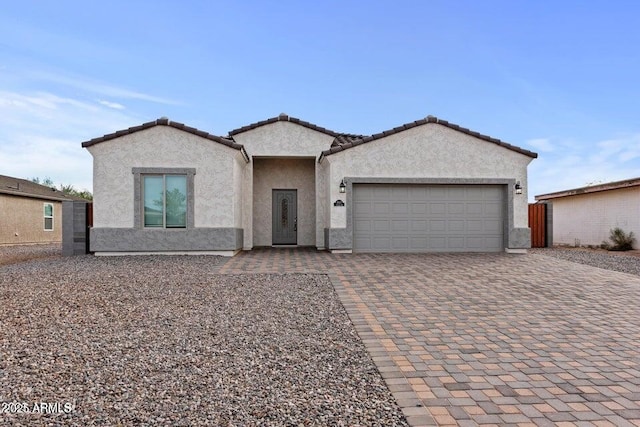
(538, 225)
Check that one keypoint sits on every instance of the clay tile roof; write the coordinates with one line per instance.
(346, 138)
(26, 188)
(335, 148)
(283, 118)
(627, 183)
(163, 121)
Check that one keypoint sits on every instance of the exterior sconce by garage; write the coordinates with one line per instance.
(518, 188)
(343, 187)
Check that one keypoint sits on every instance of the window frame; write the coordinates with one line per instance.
(164, 199)
(45, 216)
(140, 173)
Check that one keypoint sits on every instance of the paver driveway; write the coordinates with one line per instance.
(473, 339)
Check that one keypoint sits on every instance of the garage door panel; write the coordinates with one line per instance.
(455, 243)
(400, 226)
(474, 208)
(437, 208)
(418, 226)
(493, 209)
(437, 193)
(400, 208)
(400, 243)
(475, 226)
(437, 225)
(455, 208)
(381, 225)
(428, 218)
(419, 208)
(381, 208)
(437, 242)
(399, 193)
(418, 244)
(492, 226)
(362, 226)
(456, 226)
(361, 209)
(382, 243)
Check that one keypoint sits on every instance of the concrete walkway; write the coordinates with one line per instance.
(487, 339)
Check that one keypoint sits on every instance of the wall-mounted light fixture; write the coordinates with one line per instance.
(518, 187)
(343, 187)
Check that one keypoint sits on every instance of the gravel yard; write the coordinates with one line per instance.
(169, 341)
(19, 253)
(628, 262)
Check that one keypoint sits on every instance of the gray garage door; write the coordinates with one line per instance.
(428, 218)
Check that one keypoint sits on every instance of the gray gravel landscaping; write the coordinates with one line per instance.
(615, 261)
(11, 254)
(168, 341)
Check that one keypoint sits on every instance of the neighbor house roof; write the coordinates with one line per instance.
(163, 121)
(24, 188)
(633, 182)
(353, 142)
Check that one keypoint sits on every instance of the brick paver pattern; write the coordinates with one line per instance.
(487, 339)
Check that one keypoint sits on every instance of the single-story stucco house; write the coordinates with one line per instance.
(426, 186)
(30, 213)
(585, 216)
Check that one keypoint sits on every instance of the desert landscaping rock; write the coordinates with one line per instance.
(168, 341)
(615, 261)
(12, 254)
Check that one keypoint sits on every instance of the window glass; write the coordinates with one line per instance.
(176, 200)
(48, 216)
(153, 201)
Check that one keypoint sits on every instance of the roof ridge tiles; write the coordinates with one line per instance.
(429, 119)
(163, 121)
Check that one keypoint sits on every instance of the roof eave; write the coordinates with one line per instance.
(229, 142)
(610, 186)
(427, 120)
(283, 118)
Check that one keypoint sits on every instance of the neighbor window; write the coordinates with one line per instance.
(48, 217)
(165, 201)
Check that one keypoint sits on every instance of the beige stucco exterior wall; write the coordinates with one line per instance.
(428, 151)
(586, 219)
(217, 199)
(22, 221)
(282, 140)
(293, 174)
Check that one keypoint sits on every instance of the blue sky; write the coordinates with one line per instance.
(558, 78)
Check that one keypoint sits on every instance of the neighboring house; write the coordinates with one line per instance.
(584, 216)
(426, 186)
(29, 212)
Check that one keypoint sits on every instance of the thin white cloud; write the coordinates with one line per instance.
(113, 105)
(99, 88)
(41, 132)
(571, 165)
(541, 144)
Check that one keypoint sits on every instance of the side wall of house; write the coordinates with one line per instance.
(22, 221)
(217, 210)
(586, 219)
(433, 151)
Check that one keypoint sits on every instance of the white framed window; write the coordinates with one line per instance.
(165, 200)
(48, 217)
